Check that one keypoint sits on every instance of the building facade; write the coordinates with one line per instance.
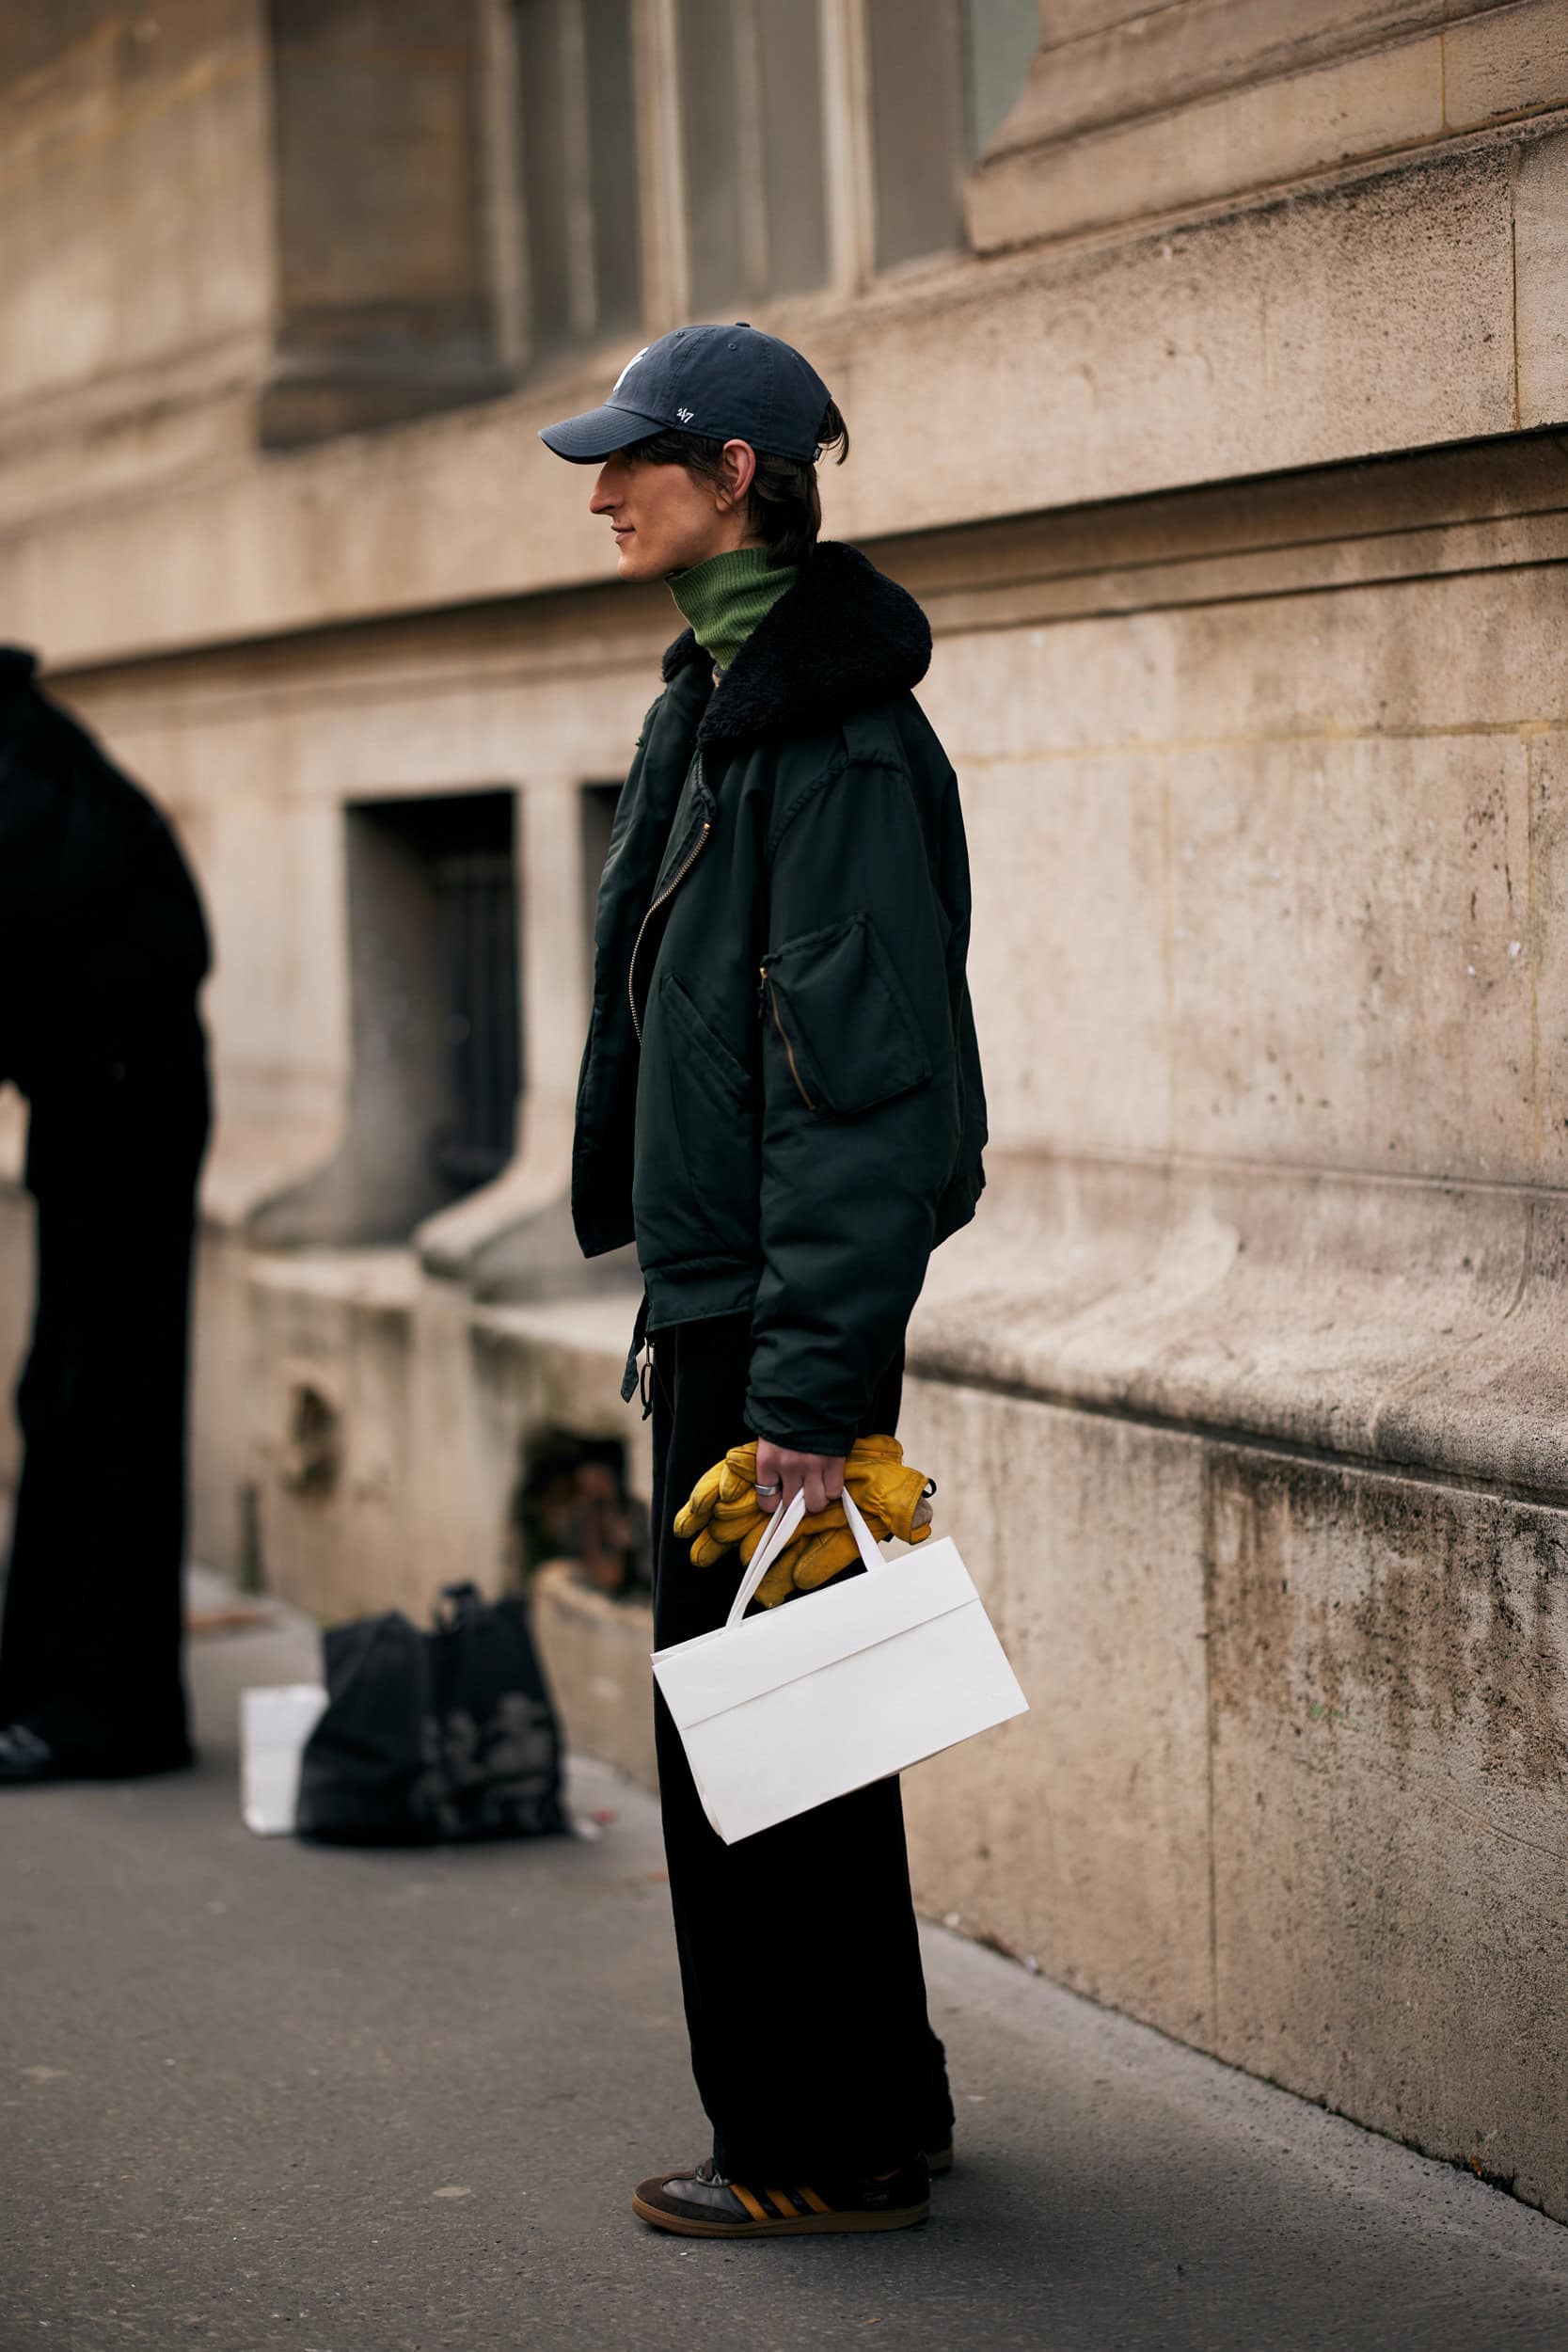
(1207, 366)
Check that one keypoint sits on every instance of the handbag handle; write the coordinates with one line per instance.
(781, 1527)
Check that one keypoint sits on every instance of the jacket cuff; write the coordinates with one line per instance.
(776, 1424)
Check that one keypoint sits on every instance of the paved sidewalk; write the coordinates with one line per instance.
(258, 2096)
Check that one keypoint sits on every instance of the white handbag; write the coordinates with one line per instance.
(781, 1712)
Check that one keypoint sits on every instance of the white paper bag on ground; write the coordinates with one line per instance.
(274, 1727)
(782, 1711)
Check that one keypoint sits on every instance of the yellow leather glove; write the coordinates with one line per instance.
(723, 1510)
(887, 1489)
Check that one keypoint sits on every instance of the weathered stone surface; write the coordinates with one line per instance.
(1077, 1834)
(136, 204)
(376, 114)
(428, 1400)
(1493, 1398)
(1135, 111)
(1372, 317)
(1413, 1324)
(1224, 143)
(1502, 61)
(1447, 656)
(1548, 917)
(1126, 61)
(1541, 265)
(1054, 991)
(231, 1423)
(1294, 867)
(596, 1654)
(1069, 20)
(1390, 1695)
(326, 1408)
(1346, 916)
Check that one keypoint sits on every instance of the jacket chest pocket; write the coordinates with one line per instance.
(840, 1015)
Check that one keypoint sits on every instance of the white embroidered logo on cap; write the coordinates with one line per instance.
(685, 414)
(627, 369)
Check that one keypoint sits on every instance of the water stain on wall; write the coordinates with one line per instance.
(1410, 1614)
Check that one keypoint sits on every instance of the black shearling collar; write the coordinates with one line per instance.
(843, 638)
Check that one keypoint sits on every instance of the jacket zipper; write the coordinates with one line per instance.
(794, 1067)
(671, 885)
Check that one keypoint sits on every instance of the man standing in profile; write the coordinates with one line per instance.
(781, 1103)
(103, 951)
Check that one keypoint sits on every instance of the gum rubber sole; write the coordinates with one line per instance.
(799, 2225)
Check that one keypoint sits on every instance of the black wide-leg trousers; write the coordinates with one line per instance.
(91, 1640)
(805, 1999)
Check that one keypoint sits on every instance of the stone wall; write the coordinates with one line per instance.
(1383, 311)
(138, 280)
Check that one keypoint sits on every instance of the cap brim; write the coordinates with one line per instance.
(598, 433)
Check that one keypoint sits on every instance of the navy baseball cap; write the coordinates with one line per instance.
(727, 383)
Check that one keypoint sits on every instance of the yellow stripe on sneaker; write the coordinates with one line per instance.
(754, 2205)
(818, 2205)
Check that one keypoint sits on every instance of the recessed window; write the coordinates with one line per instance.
(433, 941)
(578, 151)
(916, 127)
(1000, 40)
(752, 149)
(744, 148)
(596, 808)
(945, 74)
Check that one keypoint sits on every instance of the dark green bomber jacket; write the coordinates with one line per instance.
(780, 1098)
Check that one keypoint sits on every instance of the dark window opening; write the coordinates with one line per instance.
(434, 910)
(597, 810)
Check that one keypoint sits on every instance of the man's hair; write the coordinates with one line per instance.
(783, 506)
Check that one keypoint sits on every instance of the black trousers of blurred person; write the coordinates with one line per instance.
(805, 1998)
(91, 1643)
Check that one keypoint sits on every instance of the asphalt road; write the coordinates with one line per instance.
(258, 2096)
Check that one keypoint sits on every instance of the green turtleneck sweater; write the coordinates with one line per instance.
(724, 598)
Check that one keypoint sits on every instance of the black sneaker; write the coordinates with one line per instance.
(702, 2204)
(27, 1761)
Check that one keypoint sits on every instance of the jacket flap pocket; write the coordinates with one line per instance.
(841, 1009)
(717, 1055)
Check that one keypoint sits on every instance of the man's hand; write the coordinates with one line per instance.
(820, 1474)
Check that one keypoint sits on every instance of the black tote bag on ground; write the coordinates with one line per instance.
(432, 1736)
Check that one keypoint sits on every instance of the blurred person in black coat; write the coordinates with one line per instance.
(103, 951)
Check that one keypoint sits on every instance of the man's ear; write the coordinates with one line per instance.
(738, 463)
